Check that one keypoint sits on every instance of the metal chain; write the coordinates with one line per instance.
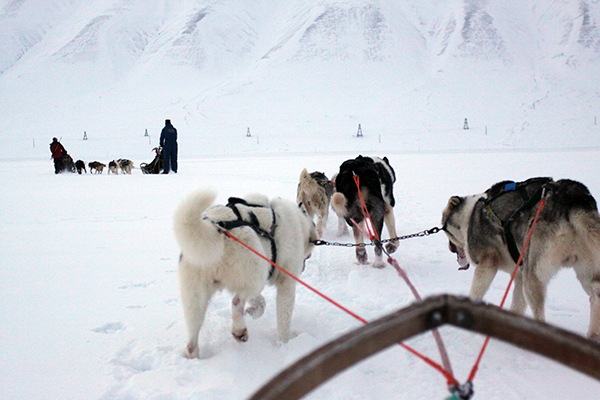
(395, 239)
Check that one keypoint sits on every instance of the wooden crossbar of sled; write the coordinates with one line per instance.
(562, 346)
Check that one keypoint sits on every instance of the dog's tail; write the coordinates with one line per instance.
(339, 203)
(200, 241)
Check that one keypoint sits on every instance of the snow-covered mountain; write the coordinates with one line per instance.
(404, 70)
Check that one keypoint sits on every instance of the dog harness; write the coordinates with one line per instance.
(253, 223)
(503, 217)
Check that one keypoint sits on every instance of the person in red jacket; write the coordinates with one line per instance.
(58, 151)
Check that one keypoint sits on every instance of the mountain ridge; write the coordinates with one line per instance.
(296, 66)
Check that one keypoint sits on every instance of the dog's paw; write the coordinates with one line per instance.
(361, 256)
(391, 247)
(191, 352)
(257, 307)
(241, 336)
(379, 264)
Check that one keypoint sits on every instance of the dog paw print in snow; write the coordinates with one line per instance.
(109, 328)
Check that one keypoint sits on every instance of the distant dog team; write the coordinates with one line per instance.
(96, 167)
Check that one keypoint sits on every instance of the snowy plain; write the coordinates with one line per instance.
(88, 263)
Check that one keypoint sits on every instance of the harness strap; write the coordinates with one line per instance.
(527, 203)
(252, 223)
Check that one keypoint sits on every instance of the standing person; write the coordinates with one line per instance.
(168, 141)
(58, 151)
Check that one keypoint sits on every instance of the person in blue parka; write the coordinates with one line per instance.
(168, 141)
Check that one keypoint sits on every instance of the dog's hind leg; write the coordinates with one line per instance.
(257, 307)
(286, 298)
(377, 220)
(321, 221)
(238, 327)
(195, 295)
(518, 305)
(390, 224)
(547, 252)
(594, 329)
(534, 284)
(361, 251)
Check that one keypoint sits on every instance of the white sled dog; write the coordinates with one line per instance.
(210, 261)
(314, 192)
(488, 230)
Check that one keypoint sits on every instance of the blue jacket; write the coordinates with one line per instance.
(168, 136)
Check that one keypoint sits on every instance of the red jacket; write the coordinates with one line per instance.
(57, 150)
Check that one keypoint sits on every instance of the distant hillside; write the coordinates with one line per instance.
(408, 68)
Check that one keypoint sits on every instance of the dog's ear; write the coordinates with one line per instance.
(454, 201)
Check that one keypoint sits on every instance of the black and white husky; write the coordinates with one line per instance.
(210, 261)
(376, 180)
(113, 167)
(488, 230)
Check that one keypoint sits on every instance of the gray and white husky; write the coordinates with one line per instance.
(488, 230)
(210, 261)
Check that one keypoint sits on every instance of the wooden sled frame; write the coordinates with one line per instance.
(560, 345)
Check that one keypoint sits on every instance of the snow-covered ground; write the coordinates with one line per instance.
(89, 296)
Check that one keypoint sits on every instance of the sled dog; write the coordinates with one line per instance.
(314, 192)
(113, 167)
(376, 178)
(125, 165)
(488, 230)
(210, 261)
(80, 166)
(96, 167)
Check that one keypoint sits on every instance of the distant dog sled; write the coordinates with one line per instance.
(156, 165)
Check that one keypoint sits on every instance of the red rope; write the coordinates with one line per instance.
(367, 217)
(446, 369)
(512, 278)
(364, 321)
(436, 334)
(449, 377)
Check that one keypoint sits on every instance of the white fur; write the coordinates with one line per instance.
(210, 261)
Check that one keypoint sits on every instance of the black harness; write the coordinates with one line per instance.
(527, 202)
(253, 223)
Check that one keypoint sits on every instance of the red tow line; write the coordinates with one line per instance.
(512, 278)
(449, 377)
(446, 370)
